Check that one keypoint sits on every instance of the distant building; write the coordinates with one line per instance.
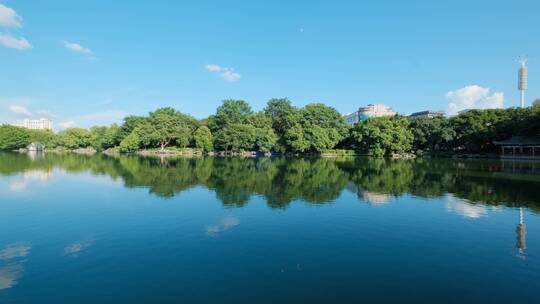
(371, 110)
(36, 124)
(428, 114)
(352, 118)
(376, 110)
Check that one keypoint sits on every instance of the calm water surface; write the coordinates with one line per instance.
(78, 229)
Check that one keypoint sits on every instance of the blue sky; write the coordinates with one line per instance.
(92, 62)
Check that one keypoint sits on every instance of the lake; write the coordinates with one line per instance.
(126, 229)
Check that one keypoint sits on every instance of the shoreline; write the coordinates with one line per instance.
(255, 154)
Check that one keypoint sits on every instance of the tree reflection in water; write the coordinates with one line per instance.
(315, 180)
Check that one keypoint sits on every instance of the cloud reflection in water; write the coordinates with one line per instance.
(224, 224)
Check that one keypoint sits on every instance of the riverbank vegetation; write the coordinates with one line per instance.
(285, 129)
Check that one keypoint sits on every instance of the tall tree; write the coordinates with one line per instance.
(278, 109)
(130, 123)
(230, 112)
(203, 139)
(131, 143)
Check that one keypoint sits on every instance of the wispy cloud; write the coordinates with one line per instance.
(9, 17)
(13, 255)
(16, 250)
(77, 48)
(14, 43)
(227, 74)
(223, 225)
(9, 275)
(473, 97)
(20, 110)
(77, 247)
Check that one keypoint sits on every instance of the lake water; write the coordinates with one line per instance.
(78, 229)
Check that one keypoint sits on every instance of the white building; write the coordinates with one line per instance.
(36, 124)
(371, 110)
(376, 110)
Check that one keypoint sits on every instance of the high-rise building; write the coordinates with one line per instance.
(35, 124)
(523, 75)
(371, 110)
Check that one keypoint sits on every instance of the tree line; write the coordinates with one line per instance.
(283, 128)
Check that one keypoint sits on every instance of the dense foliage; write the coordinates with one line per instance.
(12, 138)
(283, 128)
(384, 136)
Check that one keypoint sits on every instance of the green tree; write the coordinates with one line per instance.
(172, 127)
(97, 137)
(265, 139)
(327, 118)
(381, 136)
(203, 139)
(130, 123)
(147, 135)
(315, 128)
(74, 138)
(12, 137)
(295, 139)
(44, 137)
(235, 137)
(277, 109)
(432, 134)
(230, 112)
(131, 142)
(476, 129)
(111, 137)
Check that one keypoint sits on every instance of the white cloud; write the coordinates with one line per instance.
(14, 43)
(213, 68)
(75, 47)
(473, 97)
(20, 110)
(228, 74)
(9, 17)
